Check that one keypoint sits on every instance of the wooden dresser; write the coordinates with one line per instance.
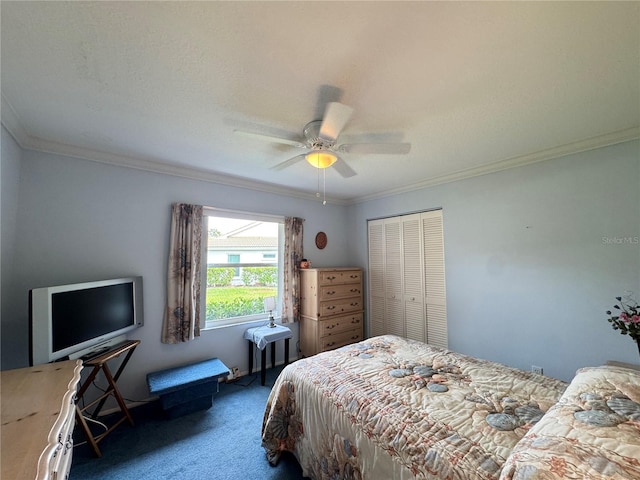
(38, 415)
(332, 308)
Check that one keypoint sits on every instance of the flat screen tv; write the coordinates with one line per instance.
(72, 321)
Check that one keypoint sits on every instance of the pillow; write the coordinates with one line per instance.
(593, 432)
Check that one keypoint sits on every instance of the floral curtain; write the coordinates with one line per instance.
(293, 253)
(182, 312)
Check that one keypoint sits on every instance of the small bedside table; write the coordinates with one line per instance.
(261, 337)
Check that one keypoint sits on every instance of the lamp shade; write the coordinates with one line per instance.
(321, 158)
(269, 303)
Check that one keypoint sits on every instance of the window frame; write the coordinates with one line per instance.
(241, 215)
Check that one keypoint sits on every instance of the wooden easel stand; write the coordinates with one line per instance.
(99, 364)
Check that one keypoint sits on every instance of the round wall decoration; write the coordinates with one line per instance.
(321, 240)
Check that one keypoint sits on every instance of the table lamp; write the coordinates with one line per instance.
(270, 306)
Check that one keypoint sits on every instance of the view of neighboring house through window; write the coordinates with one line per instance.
(243, 265)
(234, 258)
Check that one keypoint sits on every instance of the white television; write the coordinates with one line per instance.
(82, 319)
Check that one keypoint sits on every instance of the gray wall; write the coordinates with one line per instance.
(81, 221)
(534, 257)
(9, 197)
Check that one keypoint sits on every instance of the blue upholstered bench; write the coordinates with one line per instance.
(188, 388)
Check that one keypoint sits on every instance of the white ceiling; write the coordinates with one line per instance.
(474, 87)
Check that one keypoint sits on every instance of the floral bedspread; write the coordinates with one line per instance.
(391, 408)
(593, 432)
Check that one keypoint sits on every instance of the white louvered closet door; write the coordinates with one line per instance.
(412, 289)
(434, 278)
(407, 289)
(394, 302)
(376, 278)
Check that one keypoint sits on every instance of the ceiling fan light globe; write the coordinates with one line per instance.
(320, 159)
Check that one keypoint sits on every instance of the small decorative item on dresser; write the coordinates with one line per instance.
(628, 320)
(304, 263)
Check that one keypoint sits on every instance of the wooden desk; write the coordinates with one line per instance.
(99, 364)
(38, 419)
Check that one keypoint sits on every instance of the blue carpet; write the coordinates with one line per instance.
(222, 443)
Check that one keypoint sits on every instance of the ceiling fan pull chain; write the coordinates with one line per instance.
(318, 190)
(324, 186)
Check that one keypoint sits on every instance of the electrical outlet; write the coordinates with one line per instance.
(536, 369)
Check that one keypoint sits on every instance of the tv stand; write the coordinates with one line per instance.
(99, 364)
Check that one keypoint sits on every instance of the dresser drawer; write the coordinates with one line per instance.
(342, 276)
(61, 462)
(341, 339)
(338, 307)
(333, 292)
(338, 325)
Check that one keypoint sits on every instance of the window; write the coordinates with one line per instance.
(243, 265)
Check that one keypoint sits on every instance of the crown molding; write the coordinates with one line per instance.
(514, 162)
(10, 121)
(28, 142)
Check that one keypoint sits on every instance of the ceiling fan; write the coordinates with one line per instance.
(320, 138)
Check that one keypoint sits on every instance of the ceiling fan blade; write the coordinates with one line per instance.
(335, 118)
(376, 148)
(270, 138)
(343, 168)
(288, 163)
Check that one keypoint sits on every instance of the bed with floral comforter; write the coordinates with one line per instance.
(391, 408)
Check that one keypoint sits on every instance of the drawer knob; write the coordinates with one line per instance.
(331, 293)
